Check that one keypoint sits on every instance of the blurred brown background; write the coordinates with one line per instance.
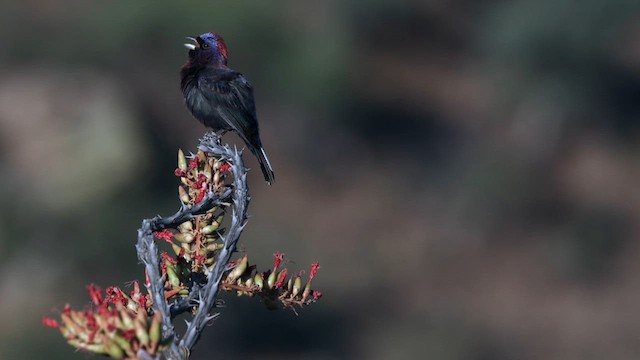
(466, 172)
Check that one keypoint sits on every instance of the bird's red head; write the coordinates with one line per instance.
(208, 48)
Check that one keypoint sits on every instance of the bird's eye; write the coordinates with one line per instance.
(205, 46)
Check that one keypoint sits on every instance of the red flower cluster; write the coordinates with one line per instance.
(117, 324)
(165, 235)
(272, 285)
(124, 326)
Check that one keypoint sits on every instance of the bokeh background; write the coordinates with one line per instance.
(466, 172)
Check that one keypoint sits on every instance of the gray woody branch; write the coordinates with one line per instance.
(204, 296)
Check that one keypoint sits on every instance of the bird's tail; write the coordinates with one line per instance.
(265, 165)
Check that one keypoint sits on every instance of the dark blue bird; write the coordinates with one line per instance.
(221, 98)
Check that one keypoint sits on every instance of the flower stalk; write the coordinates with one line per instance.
(200, 241)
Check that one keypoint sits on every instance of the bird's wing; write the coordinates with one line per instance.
(232, 97)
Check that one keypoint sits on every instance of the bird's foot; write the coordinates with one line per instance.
(219, 136)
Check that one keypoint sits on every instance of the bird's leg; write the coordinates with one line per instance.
(220, 134)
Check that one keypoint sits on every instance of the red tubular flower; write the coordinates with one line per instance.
(200, 195)
(104, 311)
(115, 295)
(169, 258)
(96, 294)
(91, 324)
(225, 167)
(281, 278)
(165, 235)
(316, 294)
(49, 322)
(142, 300)
(278, 259)
(201, 182)
(130, 335)
(179, 172)
(193, 163)
(314, 270)
(136, 289)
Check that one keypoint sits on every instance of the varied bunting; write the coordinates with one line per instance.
(221, 98)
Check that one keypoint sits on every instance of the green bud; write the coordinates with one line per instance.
(187, 253)
(109, 348)
(179, 237)
(141, 333)
(176, 249)
(297, 286)
(209, 229)
(211, 238)
(238, 270)
(155, 332)
(271, 280)
(259, 281)
(114, 351)
(188, 238)
(174, 280)
(76, 317)
(201, 156)
(182, 161)
(207, 170)
(219, 218)
(307, 291)
(214, 247)
(73, 327)
(186, 226)
(184, 197)
(132, 305)
(141, 317)
(65, 332)
(127, 321)
(121, 343)
(213, 225)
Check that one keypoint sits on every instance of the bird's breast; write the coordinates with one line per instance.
(196, 100)
(200, 106)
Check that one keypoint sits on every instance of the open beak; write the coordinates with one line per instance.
(192, 46)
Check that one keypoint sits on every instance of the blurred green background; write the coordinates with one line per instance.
(466, 172)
